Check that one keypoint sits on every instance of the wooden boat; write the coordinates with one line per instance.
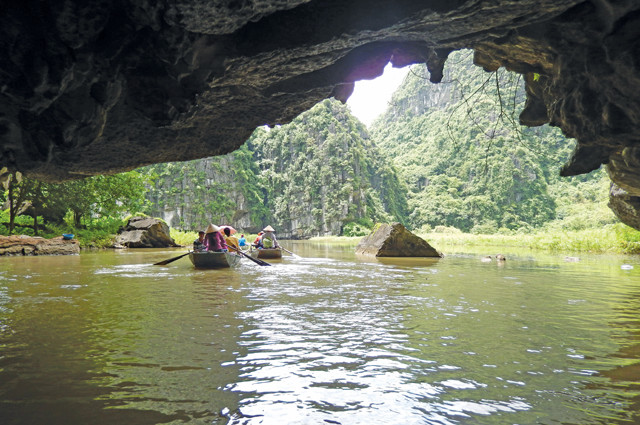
(266, 253)
(214, 260)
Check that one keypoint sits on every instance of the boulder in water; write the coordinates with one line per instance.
(145, 232)
(394, 240)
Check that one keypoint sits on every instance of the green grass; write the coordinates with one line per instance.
(183, 238)
(337, 239)
(614, 239)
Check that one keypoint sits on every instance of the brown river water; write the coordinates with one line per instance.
(326, 338)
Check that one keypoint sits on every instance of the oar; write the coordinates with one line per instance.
(285, 249)
(255, 260)
(170, 260)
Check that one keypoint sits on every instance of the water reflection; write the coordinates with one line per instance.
(327, 338)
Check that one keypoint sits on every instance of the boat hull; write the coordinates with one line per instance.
(267, 253)
(214, 260)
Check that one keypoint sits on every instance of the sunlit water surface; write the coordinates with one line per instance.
(328, 338)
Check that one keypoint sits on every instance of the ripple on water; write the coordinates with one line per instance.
(134, 271)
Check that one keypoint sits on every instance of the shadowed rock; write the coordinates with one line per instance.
(145, 232)
(393, 240)
(28, 245)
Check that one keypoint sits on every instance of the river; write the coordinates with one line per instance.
(326, 338)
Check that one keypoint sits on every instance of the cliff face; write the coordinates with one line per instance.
(98, 86)
(192, 194)
(306, 178)
(322, 170)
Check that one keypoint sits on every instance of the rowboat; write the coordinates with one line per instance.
(266, 253)
(214, 260)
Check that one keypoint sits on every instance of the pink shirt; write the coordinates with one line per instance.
(214, 242)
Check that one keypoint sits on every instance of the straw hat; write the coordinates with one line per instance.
(269, 229)
(212, 228)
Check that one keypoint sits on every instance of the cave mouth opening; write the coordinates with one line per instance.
(370, 98)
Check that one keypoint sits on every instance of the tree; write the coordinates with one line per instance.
(102, 195)
(19, 190)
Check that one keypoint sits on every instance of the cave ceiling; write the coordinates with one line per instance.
(100, 86)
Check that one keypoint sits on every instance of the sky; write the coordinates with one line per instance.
(370, 97)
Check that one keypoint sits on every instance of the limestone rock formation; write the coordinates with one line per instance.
(145, 232)
(82, 81)
(625, 206)
(34, 245)
(393, 240)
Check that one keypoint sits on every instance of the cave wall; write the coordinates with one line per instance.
(99, 86)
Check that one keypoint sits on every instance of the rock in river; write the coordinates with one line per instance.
(394, 240)
(145, 232)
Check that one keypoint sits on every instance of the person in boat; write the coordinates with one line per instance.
(232, 242)
(214, 241)
(198, 244)
(256, 242)
(242, 242)
(268, 238)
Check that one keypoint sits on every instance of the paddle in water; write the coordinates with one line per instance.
(255, 260)
(170, 260)
(285, 249)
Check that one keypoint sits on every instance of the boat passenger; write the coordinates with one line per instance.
(214, 241)
(242, 242)
(232, 242)
(256, 242)
(268, 239)
(198, 244)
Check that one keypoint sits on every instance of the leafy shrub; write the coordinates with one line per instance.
(184, 238)
(446, 229)
(488, 227)
(355, 229)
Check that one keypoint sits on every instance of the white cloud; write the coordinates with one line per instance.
(370, 98)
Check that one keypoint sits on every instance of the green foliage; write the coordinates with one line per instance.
(88, 208)
(323, 165)
(618, 238)
(468, 163)
(628, 239)
(100, 196)
(184, 238)
(201, 191)
(355, 229)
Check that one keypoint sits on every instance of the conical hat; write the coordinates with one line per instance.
(212, 228)
(269, 229)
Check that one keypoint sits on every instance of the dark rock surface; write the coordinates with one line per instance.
(625, 206)
(393, 240)
(145, 232)
(34, 245)
(83, 81)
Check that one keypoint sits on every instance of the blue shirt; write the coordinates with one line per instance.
(242, 241)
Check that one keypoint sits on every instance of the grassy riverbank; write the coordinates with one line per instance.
(612, 239)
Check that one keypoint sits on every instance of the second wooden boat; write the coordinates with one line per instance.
(266, 253)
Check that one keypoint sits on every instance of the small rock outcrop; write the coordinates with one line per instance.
(35, 245)
(145, 232)
(394, 240)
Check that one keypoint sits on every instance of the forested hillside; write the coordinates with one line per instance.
(469, 164)
(449, 154)
(319, 175)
